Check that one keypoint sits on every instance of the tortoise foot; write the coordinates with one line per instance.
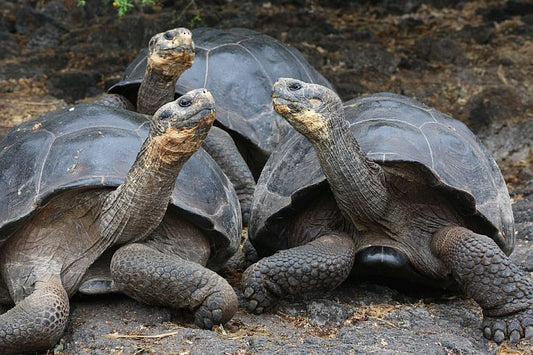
(322, 264)
(513, 327)
(260, 293)
(504, 292)
(38, 321)
(152, 277)
(217, 308)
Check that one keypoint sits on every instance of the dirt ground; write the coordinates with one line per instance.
(471, 59)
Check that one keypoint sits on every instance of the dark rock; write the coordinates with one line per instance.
(523, 211)
(347, 84)
(30, 20)
(72, 86)
(258, 342)
(7, 16)
(47, 36)
(9, 45)
(491, 115)
(58, 11)
(43, 28)
(136, 31)
(523, 214)
(523, 252)
(363, 35)
(413, 63)
(504, 11)
(36, 66)
(398, 7)
(443, 50)
(492, 105)
(364, 56)
(525, 28)
(479, 34)
(324, 312)
(509, 142)
(308, 35)
(410, 22)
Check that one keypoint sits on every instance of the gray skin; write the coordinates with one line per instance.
(371, 215)
(157, 256)
(171, 53)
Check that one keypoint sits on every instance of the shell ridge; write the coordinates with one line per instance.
(380, 119)
(258, 62)
(429, 149)
(207, 52)
(45, 158)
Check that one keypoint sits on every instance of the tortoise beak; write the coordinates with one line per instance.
(207, 114)
(280, 102)
(182, 48)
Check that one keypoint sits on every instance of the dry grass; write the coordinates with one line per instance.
(25, 99)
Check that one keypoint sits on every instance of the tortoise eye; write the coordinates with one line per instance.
(295, 86)
(185, 102)
(167, 36)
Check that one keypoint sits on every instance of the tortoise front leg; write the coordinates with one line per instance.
(321, 264)
(486, 274)
(38, 321)
(157, 278)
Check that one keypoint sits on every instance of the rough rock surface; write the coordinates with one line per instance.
(471, 59)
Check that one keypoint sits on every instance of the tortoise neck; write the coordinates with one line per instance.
(138, 205)
(358, 184)
(156, 90)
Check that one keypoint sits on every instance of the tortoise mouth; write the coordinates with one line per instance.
(207, 112)
(182, 50)
(205, 116)
(280, 101)
(172, 60)
(283, 105)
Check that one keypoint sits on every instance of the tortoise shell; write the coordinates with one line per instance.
(91, 146)
(238, 66)
(392, 130)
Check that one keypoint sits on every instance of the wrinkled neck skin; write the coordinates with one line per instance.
(358, 184)
(137, 206)
(156, 90)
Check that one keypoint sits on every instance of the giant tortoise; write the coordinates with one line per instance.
(79, 183)
(388, 186)
(169, 54)
(238, 66)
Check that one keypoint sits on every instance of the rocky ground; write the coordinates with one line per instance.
(471, 59)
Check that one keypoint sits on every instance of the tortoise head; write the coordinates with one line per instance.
(171, 52)
(179, 127)
(309, 108)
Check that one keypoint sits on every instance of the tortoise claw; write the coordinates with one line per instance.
(514, 337)
(215, 309)
(259, 293)
(528, 334)
(513, 327)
